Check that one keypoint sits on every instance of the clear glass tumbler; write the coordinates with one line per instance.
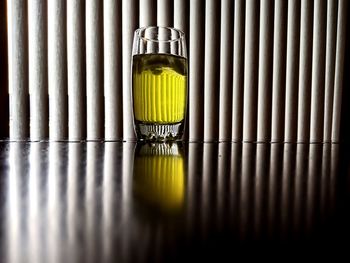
(159, 83)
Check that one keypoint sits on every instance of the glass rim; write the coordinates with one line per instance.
(181, 34)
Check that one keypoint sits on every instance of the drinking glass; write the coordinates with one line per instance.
(159, 83)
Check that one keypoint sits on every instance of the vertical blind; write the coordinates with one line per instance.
(268, 70)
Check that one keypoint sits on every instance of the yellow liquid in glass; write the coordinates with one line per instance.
(159, 88)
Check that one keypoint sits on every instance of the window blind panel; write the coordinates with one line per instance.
(129, 24)
(94, 70)
(165, 12)
(4, 55)
(318, 71)
(18, 69)
(181, 16)
(112, 45)
(211, 71)
(76, 70)
(196, 70)
(265, 71)
(148, 13)
(38, 80)
(238, 70)
(292, 68)
(279, 70)
(251, 53)
(57, 60)
(226, 48)
(305, 69)
(332, 12)
(164, 18)
(339, 69)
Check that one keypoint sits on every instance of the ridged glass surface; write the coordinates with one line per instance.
(159, 88)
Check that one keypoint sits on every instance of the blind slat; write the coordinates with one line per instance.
(265, 71)
(292, 68)
(38, 82)
(181, 18)
(76, 70)
(94, 70)
(225, 103)
(181, 15)
(318, 71)
(18, 70)
(251, 71)
(196, 70)
(129, 24)
(238, 70)
(112, 32)
(57, 60)
(165, 13)
(332, 9)
(305, 69)
(339, 69)
(148, 13)
(279, 71)
(211, 71)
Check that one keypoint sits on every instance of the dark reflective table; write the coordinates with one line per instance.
(122, 202)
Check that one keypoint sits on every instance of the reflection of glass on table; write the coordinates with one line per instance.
(159, 176)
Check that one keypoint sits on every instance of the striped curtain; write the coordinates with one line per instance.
(268, 70)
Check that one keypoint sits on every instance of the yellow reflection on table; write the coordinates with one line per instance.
(159, 178)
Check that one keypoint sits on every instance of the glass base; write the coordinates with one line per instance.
(159, 132)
